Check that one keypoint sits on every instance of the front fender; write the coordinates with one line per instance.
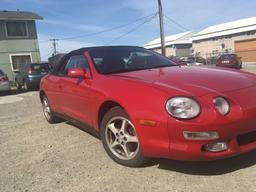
(141, 102)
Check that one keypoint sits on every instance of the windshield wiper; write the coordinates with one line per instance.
(138, 69)
(160, 66)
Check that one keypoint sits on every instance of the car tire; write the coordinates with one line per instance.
(27, 87)
(48, 113)
(18, 86)
(119, 138)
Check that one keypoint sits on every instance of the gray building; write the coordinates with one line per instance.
(18, 40)
(178, 45)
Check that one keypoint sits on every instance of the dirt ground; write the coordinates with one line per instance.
(37, 156)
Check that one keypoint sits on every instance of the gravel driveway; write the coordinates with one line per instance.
(37, 156)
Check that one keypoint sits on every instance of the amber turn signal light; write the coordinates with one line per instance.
(148, 123)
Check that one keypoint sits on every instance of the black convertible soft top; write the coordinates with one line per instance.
(57, 60)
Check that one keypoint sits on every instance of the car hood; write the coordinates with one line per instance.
(196, 81)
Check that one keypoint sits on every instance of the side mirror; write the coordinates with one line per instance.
(76, 73)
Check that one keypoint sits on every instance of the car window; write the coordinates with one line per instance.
(227, 56)
(75, 61)
(1, 72)
(39, 68)
(108, 60)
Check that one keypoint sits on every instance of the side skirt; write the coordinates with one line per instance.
(80, 125)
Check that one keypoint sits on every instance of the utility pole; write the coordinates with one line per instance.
(160, 13)
(54, 44)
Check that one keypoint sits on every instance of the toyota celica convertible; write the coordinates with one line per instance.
(143, 105)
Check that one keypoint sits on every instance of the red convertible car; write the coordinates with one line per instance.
(143, 105)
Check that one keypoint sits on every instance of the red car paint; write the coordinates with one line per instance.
(143, 95)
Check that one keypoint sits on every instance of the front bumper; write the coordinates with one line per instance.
(194, 150)
(166, 139)
(34, 82)
(235, 66)
(237, 129)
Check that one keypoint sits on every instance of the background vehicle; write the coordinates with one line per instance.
(196, 61)
(4, 82)
(229, 60)
(211, 60)
(30, 75)
(178, 61)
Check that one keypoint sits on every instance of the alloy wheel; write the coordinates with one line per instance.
(46, 109)
(121, 138)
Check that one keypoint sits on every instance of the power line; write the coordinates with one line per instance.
(62, 50)
(108, 30)
(176, 27)
(176, 23)
(148, 17)
(133, 29)
(47, 55)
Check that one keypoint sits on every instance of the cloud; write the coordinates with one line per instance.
(143, 6)
(83, 28)
(94, 28)
(52, 22)
(41, 2)
(46, 48)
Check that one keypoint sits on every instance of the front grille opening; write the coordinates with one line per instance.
(246, 138)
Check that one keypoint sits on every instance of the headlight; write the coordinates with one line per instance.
(221, 105)
(182, 107)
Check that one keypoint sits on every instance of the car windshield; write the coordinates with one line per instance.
(109, 60)
(190, 61)
(1, 72)
(231, 56)
(39, 68)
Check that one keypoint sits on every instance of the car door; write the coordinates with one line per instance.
(54, 91)
(76, 92)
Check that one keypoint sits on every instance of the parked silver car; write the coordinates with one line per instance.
(4, 82)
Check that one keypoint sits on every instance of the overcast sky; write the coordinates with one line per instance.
(70, 18)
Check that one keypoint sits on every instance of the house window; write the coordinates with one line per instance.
(250, 33)
(16, 29)
(215, 52)
(18, 61)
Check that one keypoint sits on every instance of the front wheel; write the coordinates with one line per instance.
(120, 140)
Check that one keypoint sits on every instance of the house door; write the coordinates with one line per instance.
(246, 49)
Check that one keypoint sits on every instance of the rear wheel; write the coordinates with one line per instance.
(120, 140)
(27, 87)
(48, 113)
(19, 86)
